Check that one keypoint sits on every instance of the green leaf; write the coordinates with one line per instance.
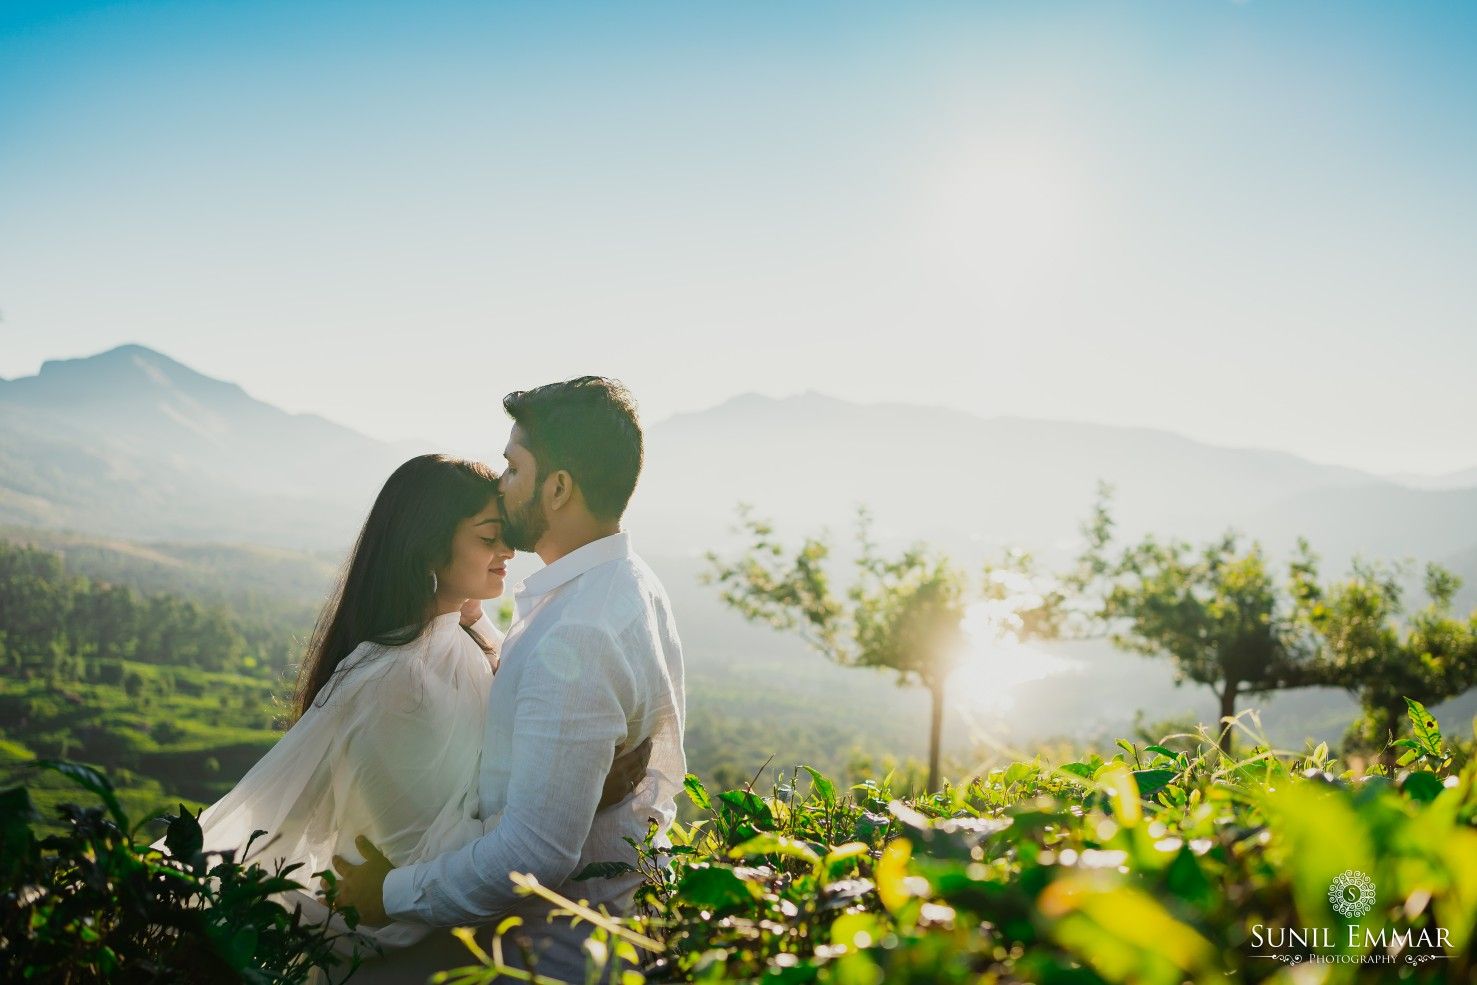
(1162, 751)
(242, 947)
(603, 870)
(183, 838)
(1018, 772)
(1424, 727)
(1421, 786)
(717, 887)
(891, 872)
(89, 779)
(16, 814)
(770, 843)
(845, 853)
(696, 792)
(1151, 781)
(824, 788)
(1118, 781)
(747, 804)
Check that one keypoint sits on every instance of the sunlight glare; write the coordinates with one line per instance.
(997, 664)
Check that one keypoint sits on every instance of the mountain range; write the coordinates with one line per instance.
(131, 444)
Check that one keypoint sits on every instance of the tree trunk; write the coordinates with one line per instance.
(1228, 710)
(935, 736)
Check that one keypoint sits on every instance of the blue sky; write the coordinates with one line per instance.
(1248, 222)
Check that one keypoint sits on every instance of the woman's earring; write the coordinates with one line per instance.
(433, 583)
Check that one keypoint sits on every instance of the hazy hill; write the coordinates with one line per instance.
(133, 442)
(1374, 520)
(968, 482)
(291, 583)
(1461, 479)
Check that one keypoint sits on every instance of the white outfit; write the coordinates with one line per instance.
(390, 749)
(592, 666)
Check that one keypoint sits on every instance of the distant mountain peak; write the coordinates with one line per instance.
(125, 376)
(131, 349)
(132, 356)
(137, 436)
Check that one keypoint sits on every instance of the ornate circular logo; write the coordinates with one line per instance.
(1352, 893)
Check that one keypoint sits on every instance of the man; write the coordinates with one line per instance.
(591, 666)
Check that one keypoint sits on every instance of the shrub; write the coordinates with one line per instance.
(1156, 866)
(96, 905)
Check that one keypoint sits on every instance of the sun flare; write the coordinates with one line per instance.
(997, 665)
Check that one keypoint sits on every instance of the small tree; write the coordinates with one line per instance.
(1371, 652)
(1215, 611)
(903, 614)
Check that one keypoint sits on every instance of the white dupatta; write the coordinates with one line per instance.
(390, 749)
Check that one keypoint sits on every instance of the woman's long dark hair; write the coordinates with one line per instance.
(386, 590)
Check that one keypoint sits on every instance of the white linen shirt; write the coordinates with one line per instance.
(591, 667)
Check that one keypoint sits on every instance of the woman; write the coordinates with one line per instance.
(391, 697)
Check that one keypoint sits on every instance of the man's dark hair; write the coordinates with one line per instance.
(589, 428)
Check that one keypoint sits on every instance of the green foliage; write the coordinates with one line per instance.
(94, 904)
(903, 613)
(1221, 617)
(1215, 611)
(59, 624)
(1155, 866)
(1377, 650)
(150, 688)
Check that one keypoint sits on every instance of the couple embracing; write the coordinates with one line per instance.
(432, 757)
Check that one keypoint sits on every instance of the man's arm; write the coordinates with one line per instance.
(570, 716)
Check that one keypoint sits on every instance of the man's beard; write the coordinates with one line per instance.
(523, 526)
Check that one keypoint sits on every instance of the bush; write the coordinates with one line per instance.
(1159, 865)
(1156, 867)
(95, 905)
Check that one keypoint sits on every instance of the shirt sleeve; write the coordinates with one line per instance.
(570, 715)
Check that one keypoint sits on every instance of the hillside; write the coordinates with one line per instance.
(156, 466)
(955, 478)
(739, 673)
(230, 574)
(132, 442)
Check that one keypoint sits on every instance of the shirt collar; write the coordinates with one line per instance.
(570, 567)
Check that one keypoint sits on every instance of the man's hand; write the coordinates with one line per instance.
(363, 886)
(471, 612)
(626, 772)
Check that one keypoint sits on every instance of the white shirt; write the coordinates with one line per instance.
(389, 749)
(592, 666)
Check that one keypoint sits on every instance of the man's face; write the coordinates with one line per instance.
(524, 522)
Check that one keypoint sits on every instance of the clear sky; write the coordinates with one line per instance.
(1252, 223)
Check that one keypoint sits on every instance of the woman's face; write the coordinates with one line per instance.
(479, 558)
